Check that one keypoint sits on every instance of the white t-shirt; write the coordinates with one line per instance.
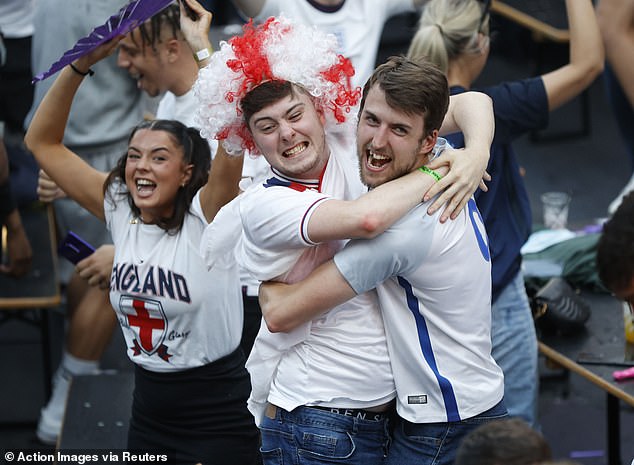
(16, 18)
(339, 359)
(358, 25)
(174, 312)
(434, 287)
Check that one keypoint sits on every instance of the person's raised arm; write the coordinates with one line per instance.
(286, 306)
(223, 183)
(472, 114)
(78, 179)
(251, 8)
(226, 171)
(586, 55)
(372, 213)
(196, 29)
(616, 22)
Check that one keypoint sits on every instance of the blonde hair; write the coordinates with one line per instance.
(447, 29)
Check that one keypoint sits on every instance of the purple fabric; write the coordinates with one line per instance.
(126, 19)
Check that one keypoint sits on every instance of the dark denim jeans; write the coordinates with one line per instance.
(310, 436)
(434, 443)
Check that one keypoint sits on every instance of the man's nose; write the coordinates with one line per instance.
(379, 139)
(287, 131)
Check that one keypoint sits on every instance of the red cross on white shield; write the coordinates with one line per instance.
(147, 319)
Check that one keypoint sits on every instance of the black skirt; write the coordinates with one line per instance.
(195, 416)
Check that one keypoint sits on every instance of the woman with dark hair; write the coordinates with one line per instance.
(182, 322)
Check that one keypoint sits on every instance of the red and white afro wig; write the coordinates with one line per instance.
(274, 50)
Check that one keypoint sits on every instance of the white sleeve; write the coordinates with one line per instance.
(401, 249)
(276, 218)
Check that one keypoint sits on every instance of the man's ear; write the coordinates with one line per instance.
(173, 48)
(322, 115)
(428, 143)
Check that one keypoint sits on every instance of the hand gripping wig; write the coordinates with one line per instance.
(274, 50)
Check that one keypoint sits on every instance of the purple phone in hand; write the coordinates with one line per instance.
(74, 248)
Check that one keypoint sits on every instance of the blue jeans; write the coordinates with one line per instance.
(515, 350)
(310, 436)
(434, 443)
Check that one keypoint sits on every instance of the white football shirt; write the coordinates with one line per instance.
(434, 287)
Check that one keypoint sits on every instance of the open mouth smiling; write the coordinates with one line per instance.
(377, 160)
(137, 77)
(144, 185)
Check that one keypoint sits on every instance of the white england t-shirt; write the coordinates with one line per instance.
(434, 287)
(174, 312)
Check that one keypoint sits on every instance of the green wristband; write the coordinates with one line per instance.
(432, 173)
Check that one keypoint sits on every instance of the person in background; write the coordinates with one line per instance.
(356, 24)
(16, 96)
(16, 91)
(181, 320)
(104, 112)
(454, 34)
(615, 252)
(19, 253)
(616, 20)
(224, 12)
(510, 441)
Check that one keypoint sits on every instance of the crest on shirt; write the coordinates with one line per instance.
(146, 319)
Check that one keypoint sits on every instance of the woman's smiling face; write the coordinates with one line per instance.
(154, 173)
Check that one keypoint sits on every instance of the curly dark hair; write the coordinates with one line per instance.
(195, 151)
(615, 250)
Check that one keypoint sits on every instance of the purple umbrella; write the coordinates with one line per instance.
(126, 19)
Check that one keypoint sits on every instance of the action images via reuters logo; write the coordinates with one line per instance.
(82, 457)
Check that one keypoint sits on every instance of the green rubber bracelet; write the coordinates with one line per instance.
(432, 173)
